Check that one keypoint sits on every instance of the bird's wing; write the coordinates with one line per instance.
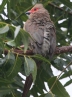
(49, 41)
(36, 33)
(52, 41)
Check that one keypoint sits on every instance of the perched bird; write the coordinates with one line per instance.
(42, 30)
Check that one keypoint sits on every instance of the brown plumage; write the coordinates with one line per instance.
(41, 28)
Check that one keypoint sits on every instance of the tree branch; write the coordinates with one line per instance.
(27, 85)
(59, 50)
(51, 4)
(63, 49)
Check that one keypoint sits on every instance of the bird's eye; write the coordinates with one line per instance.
(35, 9)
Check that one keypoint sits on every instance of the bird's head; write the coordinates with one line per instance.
(35, 9)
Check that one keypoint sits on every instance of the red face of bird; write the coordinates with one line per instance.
(36, 8)
(37, 11)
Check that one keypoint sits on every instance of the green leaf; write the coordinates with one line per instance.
(40, 57)
(4, 29)
(14, 69)
(10, 56)
(4, 91)
(11, 43)
(13, 3)
(18, 83)
(47, 68)
(16, 31)
(30, 67)
(68, 83)
(8, 8)
(47, 95)
(66, 74)
(5, 81)
(39, 86)
(2, 5)
(57, 88)
(25, 39)
(7, 90)
(58, 63)
(2, 61)
(1, 46)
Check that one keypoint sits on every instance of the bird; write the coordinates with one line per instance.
(43, 36)
(42, 30)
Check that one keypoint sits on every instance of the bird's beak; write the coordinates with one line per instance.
(28, 12)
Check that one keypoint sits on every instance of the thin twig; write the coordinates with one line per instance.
(51, 4)
(60, 75)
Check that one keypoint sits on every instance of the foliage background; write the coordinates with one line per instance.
(12, 15)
